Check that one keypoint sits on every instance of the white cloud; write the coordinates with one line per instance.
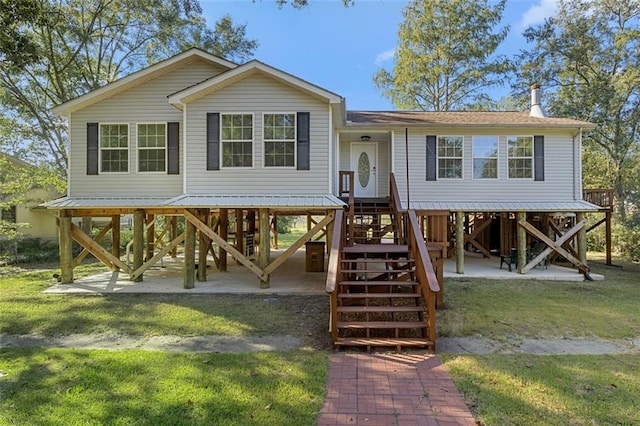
(385, 56)
(537, 13)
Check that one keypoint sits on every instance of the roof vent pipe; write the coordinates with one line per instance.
(536, 108)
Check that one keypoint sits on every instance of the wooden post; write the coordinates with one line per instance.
(460, 242)
(189, 269)
(115, 236)
(274, 223)
(223, 222)
(138, 241)
(582, 239)
(66, 248)
(265, 245)
(607, 230)
(521, 241)
(329, 234)
(151, 237)
(240, 231)
(174, 234)
(203, 246)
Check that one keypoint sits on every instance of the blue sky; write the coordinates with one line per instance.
(341, 48)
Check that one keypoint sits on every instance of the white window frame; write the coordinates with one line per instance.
(294, 140)
(532, 157)
(100, 148)
(253, 138)
(474, 157)
(438, 158)
(138, 148)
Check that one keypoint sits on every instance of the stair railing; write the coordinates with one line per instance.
(425, 274)
(396, 208)
(346, 189)
(334, 271)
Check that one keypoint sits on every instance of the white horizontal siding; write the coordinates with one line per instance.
(144, 103)
(557, 186)
(258, 94)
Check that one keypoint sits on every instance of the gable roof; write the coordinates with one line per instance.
(459, 119)
(145, 74)
(227, 78)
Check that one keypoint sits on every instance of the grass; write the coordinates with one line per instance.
(523, 389)
(26, 311)
(64, 386)
(502, 309)
(549, 390)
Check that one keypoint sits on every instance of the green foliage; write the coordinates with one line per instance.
(26, 250)
(66, 386)
(445, 58)
(16, 47)
(82, 45)
(587, 57)
(626, 237)
(285, 223)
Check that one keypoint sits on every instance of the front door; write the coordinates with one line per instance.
(364, 163)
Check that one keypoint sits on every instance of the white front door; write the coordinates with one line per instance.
(364, 162)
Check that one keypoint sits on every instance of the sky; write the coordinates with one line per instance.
(340, 49)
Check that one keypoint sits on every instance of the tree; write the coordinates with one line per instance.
(16, 47)
(445, 58)
(588, 58)
(81, 45)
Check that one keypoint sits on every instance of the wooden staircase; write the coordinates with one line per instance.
(379, 302)
(380, 278)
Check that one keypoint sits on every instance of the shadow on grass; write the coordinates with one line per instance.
(544, 390)
(61, 386)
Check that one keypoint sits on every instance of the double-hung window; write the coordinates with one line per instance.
(152, 147)
(450, 157)
(114, 148)
(520, 157)
(485, 157)
(279, 133)
(236, 137)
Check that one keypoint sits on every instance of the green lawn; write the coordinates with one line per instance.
(73, 387)
(501, 309)
(64, 386)
(545, 390)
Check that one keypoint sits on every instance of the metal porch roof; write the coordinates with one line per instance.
(326, 201)
(505, 206)
(105, 202)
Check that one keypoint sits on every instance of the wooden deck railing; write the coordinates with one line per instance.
(425, 274)
(396, 207)
(334, 272)
(599, 197)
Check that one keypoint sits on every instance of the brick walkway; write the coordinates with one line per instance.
(391, 389)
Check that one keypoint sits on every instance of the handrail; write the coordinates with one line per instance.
(346, 186)
(333, 269)
(424, 267)
(397, 207)
(334, 272)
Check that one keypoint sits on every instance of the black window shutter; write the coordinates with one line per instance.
(92, 148)
(431, 157)
(302, 138)
(173, 148)
(213, 141)
(538, 157)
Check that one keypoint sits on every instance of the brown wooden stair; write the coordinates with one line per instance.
(379, 303)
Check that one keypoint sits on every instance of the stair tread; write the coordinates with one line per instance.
(381, 324)
(376, 295)
(378, 282)
(357, 309)
(376, 248)
(382, 341)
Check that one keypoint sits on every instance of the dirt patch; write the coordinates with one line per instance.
(546, 346)
(107, 341)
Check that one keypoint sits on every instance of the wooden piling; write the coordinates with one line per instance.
(138, 241)
(66, 248)
(189, 269)
(265, 246)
